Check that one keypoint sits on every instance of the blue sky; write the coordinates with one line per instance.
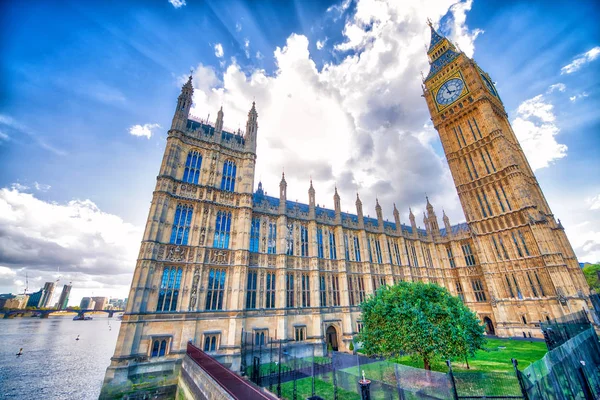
(78, 78)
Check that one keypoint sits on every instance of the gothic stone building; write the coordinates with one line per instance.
(217, 258)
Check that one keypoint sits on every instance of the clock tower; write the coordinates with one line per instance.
(529, 266)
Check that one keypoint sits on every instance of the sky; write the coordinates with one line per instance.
(89, 90)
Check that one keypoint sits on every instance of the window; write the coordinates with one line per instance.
(496, 247)
(304, 240)
(472, 131)
(450, 256)
(332, 249)
(323, 291)
(159, 347)
(473, 165)
(429, 259)
(356, 248)
(503, 248)
(272, 239)
(519, 294)
(537, 278)
(169, 289)
(485, 163)
(487, 203)
(481, 205)
(300, 333)
(397, 251)
(356, 290)
(346, 247)
(254, 234)
(533, 290)
(228, 180)
(407, 253)
(378, 251)
(457, 139)
(499, 200)
(270, 292)
(461, 135)
(369, 249)
(251, 289)
(222, 229)
(469, 257)
(491, 161)
(289, 288)
(413, 252)
(378, 281)
(211, 342)
(215, 289)
(524, 244)
(320, 243)
(516, 244)
(477, 127)
(181, 224)
(361, 289)
(459, 291)
(191, 173)
(505, 198)
(468, 169)
(359, 326)
(335, 291)
(290, 240)
(260, 337)
(478, 290)
(305, 290)
(510, 289)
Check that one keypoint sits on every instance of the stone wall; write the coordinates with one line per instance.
(194, 383)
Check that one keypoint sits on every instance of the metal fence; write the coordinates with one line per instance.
(560, 330)
(569, 371)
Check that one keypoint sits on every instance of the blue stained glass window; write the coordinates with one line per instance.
(369, 249)
(215, 290)
(181, 224)
(356, 249)
(228, 179)
(169, 289)
(270, 293)
(251, 290)
(346, 247)
(320, 242)
(290, 240)
(254, 235)
(272, 239)
(191, 173)
(332, 249)
(378, 251)
(222, 229)
(304, 240)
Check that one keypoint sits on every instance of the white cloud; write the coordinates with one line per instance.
(238, 26)
(219, 50)
(594, 202)
(321, 43)
(177, 3)
(4, 136)
(581, 60)
(561, 87)
(247, 47)
(41, 187)
(92, 248)
(143, 130)
(536, 130)
(19, 186)
(259, 55)
(352, 106)
(578, 96)
(459, 32)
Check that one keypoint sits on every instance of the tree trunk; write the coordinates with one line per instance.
(426, 364)
(467, 361)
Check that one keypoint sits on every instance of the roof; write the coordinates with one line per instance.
(435, 38)
(210, 131)
(441, 61)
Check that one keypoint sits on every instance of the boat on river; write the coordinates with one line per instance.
(81, 318)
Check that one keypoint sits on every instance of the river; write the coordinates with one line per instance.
(54, 365)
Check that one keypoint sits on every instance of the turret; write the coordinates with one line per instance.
(447, 224)
(184, 103)
(413, 223)
(282, 194)
(432, 220)
(397, 219)
(251, 129)
(338, 207)
(359, 212)
(219, 123)
(426, 223)
(311, 201)
(379, 215)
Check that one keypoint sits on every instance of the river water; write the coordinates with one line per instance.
(54, 365)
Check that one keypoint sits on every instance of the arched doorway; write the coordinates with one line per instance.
(331, 337)
(489, 326)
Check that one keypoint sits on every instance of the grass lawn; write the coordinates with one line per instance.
(491, 358)
(323, 389)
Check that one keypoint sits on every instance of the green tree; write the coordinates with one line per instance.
(421, 320)
(591, 276)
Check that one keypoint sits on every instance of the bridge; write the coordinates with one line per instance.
(46, 313)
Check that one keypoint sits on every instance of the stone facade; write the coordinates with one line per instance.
(217, 258)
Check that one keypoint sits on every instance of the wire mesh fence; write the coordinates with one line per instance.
(569, 371)
(560, 330)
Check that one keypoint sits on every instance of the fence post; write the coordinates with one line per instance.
(335, 393)
(454, 392)
(279, 373)
(520, 379)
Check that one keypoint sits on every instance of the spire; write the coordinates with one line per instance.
(359, 212)
(435, 37)
(447, 223)
(397, 219)
(441, 51)
(219, 123)
(429, 207)
(338, 207)
(311, 196)
(379, 215)
(282, 194)
(184, 103)
(252, 128)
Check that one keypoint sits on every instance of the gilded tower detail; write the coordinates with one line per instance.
(217, 258)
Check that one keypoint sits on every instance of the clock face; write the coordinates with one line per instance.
(489, 85)
(449, 91)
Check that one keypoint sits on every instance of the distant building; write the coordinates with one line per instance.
(35, 299)
(101, 302)
(64, 297)
(47, 295)
(86, 303)
(13, 301)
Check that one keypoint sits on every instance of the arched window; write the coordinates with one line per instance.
(169, 289)
(228, 180)
(163, 348)
(181, 224)
(191, 173)
(155, 347)
(254, 234)
(222, 229)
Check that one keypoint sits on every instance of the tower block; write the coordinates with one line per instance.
(530, 269)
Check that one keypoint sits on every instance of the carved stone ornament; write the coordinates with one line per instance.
(219, 257)
(176, 254)
(493, 301)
